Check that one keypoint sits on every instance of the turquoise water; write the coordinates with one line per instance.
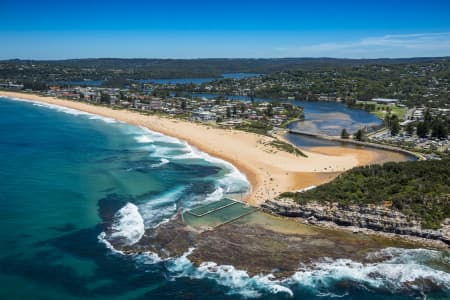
(64, 174)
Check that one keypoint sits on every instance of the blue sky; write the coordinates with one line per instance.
(197, 29)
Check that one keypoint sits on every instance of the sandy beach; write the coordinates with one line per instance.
(269, 170)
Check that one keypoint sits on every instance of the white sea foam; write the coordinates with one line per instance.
(232, 182)
(104, 119)
(215, 196)
(238, 281)
(405, 270)
(150, 258)
(143, 139)
(162, 152)
(161, 163)
(102, 238)
(156, 136)
(128, 224)
(70, 111)
(162, 207)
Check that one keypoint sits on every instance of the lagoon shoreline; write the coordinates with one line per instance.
(269, 170)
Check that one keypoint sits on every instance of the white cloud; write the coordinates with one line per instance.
(400, 45)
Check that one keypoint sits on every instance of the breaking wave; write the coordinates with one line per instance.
(237, 281)
(161, 208)
(161, 163)
(407, 271)
(143, 139)
(66, 110)
(403, 270)
(128, 225)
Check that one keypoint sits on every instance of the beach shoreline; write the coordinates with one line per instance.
(269, 170)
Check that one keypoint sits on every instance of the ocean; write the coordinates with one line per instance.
(64, 172)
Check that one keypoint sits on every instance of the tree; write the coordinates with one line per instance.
(394, 125)
(409, 128)
(427, 116)
(359, 135)
(35, 85)
(105, 98)
(269, 110)
(422, 129)
(387, 120)
(395, 128)
(439, 129)
(344, 134)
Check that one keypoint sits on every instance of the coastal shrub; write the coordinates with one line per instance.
(283, 146)
(420, 189)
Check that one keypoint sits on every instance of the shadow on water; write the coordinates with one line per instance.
(64, 228)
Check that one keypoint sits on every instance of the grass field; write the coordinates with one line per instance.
(382, 109)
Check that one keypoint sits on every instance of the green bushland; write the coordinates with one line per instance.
(420, 189)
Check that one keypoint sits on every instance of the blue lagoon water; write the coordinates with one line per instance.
(178, 80)
(240, 75)
(64, 172)
(197, 80)
(331, 117)
(97, 83)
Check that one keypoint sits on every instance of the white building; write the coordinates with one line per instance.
(385, 100)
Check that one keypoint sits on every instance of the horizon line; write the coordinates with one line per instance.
(222, 58)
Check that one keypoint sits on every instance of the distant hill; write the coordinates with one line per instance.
(214, 67)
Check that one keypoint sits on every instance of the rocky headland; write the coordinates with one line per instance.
(368, 218)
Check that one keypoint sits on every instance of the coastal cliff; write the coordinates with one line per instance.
(374, 217)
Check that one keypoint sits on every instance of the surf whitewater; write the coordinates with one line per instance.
(142, 179)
